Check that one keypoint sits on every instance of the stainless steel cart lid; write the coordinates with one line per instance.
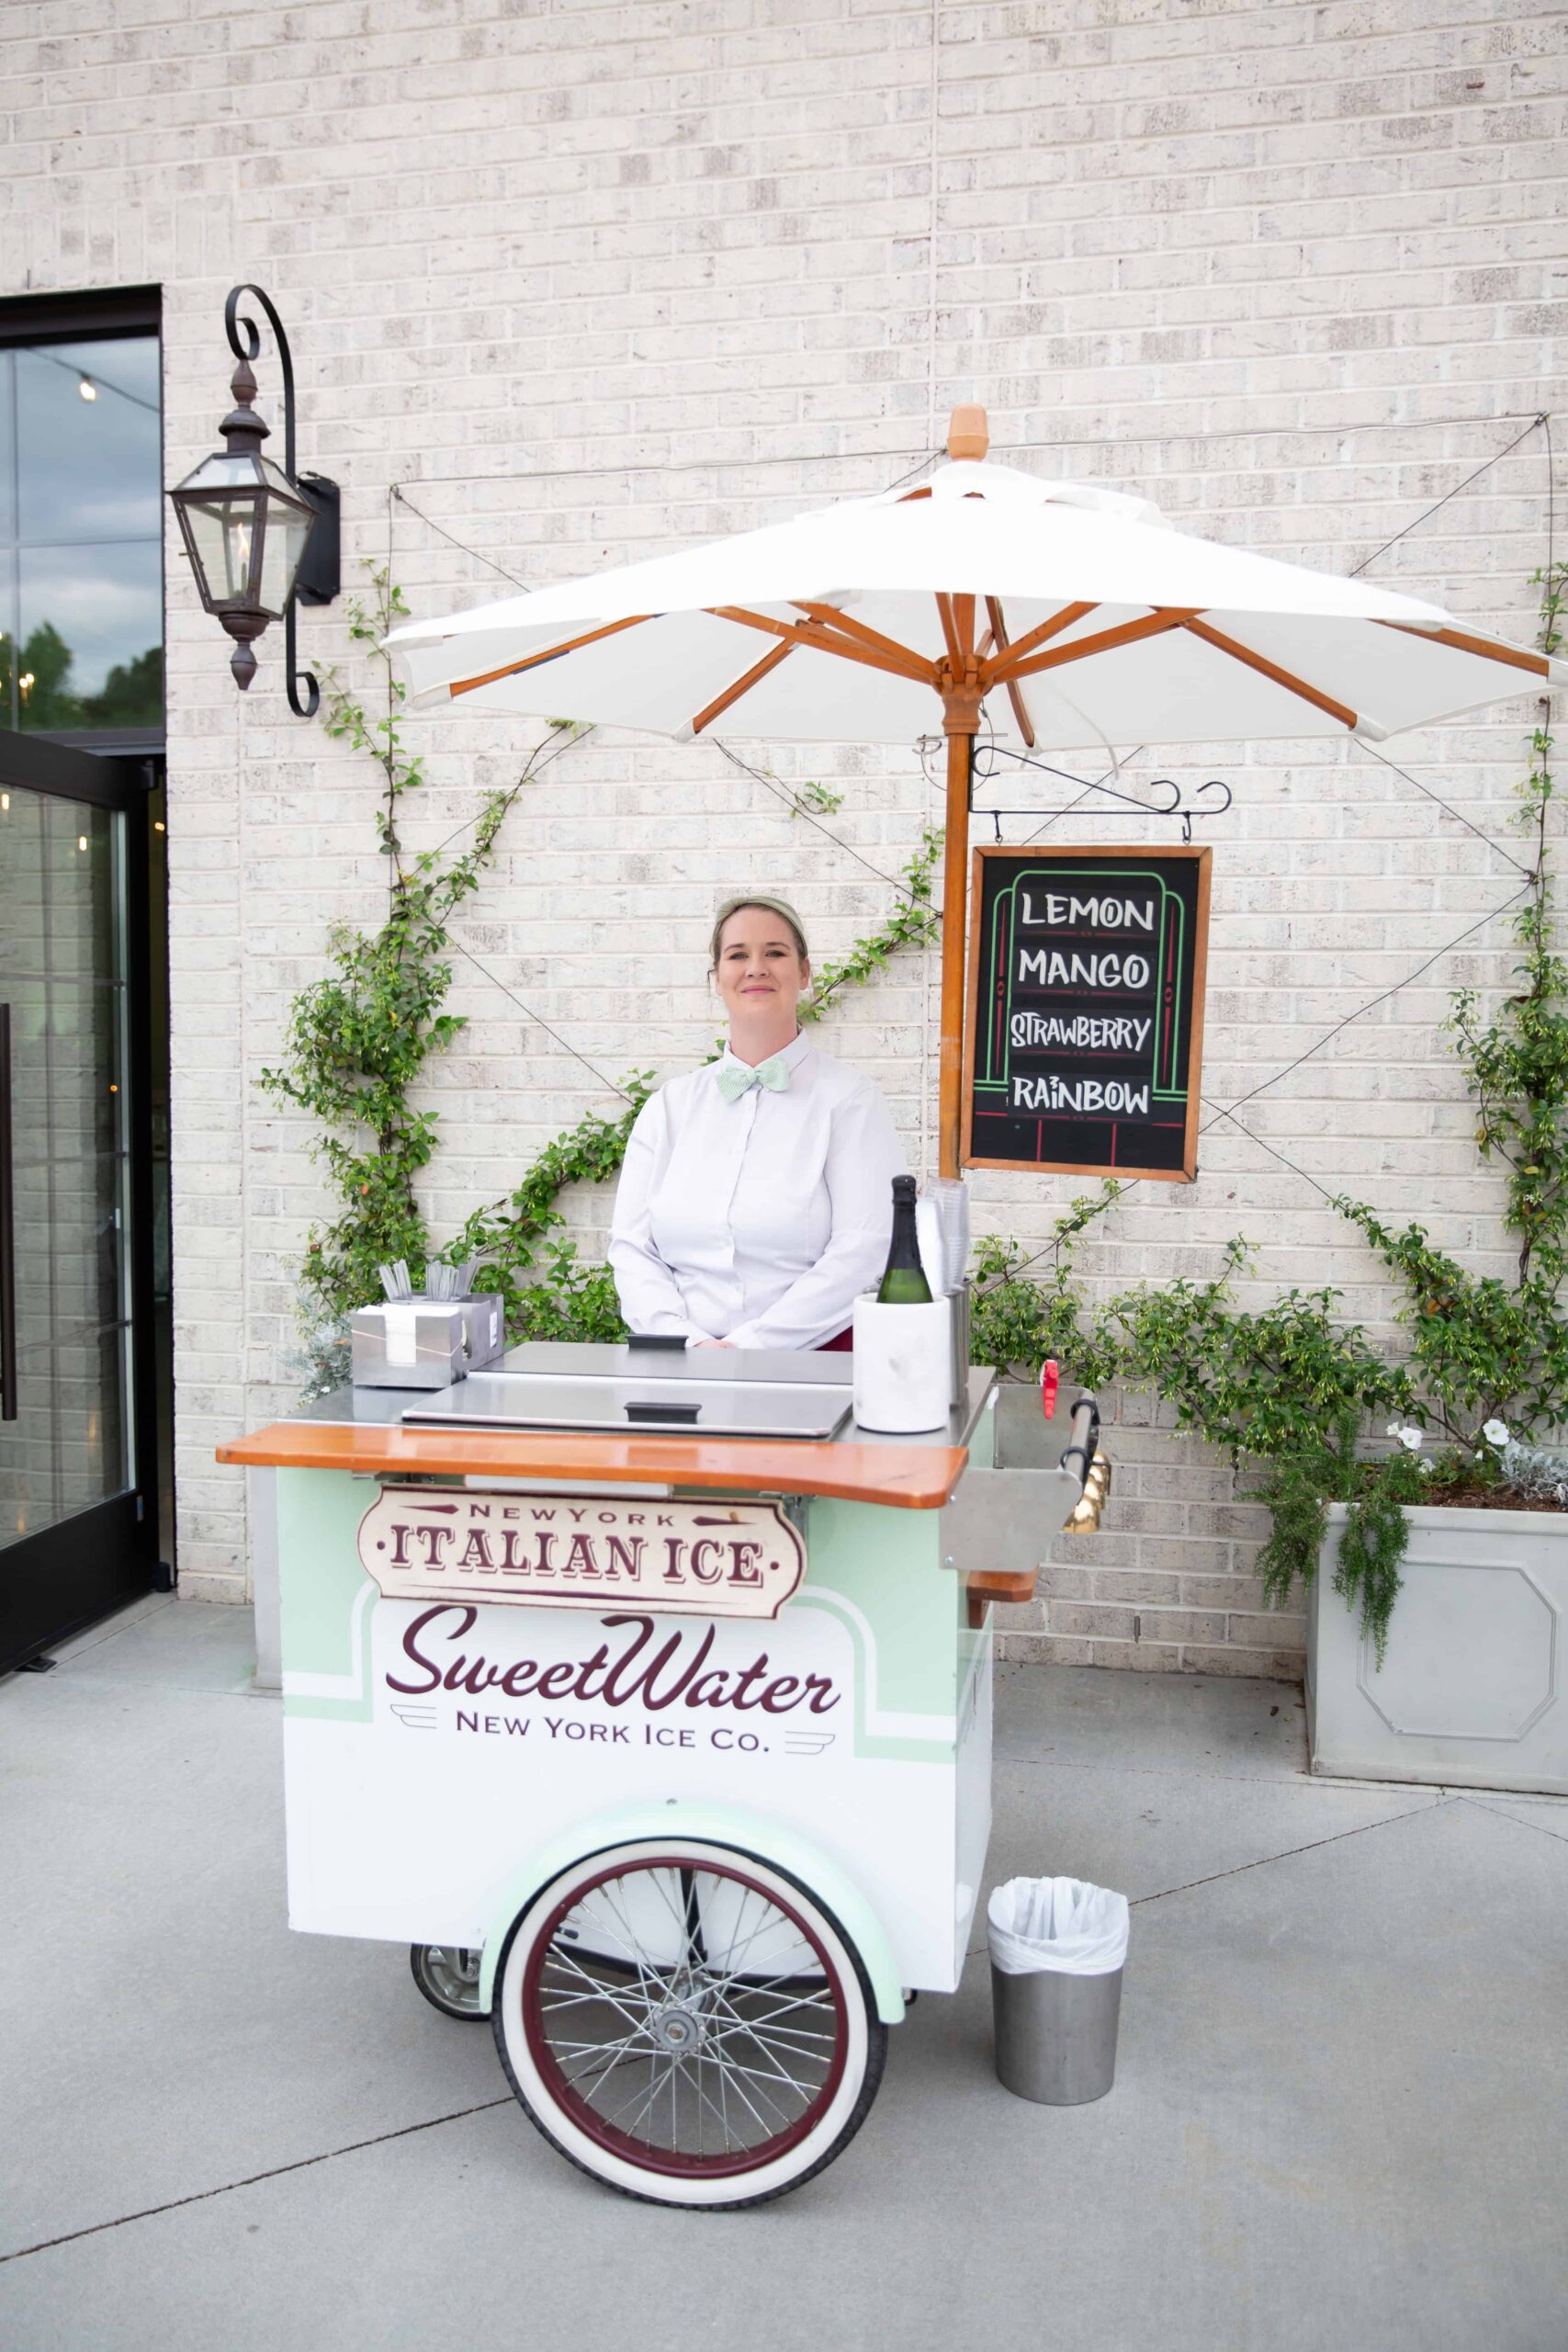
(759, 1393)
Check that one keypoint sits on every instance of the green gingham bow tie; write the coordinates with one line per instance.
(735, 1079)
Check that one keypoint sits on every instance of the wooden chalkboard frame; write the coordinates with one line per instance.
(1034, 855)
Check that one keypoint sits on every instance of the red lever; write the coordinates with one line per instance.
(1049, 1381)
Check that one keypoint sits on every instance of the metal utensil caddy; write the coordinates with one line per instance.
(667, 1751)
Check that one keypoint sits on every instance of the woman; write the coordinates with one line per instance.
(755, 1200)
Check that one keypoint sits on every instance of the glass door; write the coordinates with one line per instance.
(78, 1455)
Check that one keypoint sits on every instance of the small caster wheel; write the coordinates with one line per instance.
(448, 1976)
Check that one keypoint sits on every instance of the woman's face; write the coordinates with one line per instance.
(760, 967)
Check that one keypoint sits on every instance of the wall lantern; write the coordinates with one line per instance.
(259, 537)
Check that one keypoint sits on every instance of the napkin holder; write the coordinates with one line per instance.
(425, 1343)
(484, 1327)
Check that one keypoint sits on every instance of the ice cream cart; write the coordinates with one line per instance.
(648, 1699)
(663, 1687)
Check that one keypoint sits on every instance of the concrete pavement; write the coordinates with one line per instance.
(1339, 2119)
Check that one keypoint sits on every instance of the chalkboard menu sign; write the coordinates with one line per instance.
(1086, 1010)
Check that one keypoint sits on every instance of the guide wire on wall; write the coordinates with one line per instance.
(1219, 1112)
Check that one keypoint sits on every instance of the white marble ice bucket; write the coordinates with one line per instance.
(903, 1365)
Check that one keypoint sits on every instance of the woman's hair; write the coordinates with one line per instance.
(757, 898)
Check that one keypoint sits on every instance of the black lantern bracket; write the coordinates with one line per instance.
(320, 577)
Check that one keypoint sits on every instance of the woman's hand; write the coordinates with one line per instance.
(714, 1344)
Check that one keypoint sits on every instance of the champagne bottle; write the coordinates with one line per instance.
(904, 1280)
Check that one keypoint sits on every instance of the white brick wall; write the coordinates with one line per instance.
(590, 280)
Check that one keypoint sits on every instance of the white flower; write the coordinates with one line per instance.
(1495, 1432)
(1428, 1466)
(1411, 1440)
(1393, 1429)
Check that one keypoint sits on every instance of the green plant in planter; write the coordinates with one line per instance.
(1290, 1390)
(1016, 1320)
(1285, 1391)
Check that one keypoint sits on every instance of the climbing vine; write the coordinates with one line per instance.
(1288, 1390)
(358, 1041)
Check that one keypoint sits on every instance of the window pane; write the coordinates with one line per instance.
(9, 702)
(88, 468)
(224, 539)
(57, 889)
(7, 452)
(68, 1447)
(286, 530)
(92, 636)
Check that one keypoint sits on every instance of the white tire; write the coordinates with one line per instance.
(687, 2023)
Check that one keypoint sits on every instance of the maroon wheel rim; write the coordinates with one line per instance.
(824, 2003)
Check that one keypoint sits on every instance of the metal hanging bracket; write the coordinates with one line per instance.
(1203, 803)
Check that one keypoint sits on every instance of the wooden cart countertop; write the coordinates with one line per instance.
(903, 1476)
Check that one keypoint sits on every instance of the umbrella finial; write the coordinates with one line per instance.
(968, 435)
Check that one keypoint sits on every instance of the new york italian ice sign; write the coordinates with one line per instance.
(713, 1559)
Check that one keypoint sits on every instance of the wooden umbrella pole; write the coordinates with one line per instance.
(958, 681)
(961, 721)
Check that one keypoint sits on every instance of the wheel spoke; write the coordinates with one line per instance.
(767, 2129)
(764, 2029)
(656, 2087)
(634, 1949)
(770, 1916)
(601, 1992)
(764, 2075)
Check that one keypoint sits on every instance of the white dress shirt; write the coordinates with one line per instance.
(757, 1221)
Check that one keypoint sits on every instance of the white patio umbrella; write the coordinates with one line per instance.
(1057, 614)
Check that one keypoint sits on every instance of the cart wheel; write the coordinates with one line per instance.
(448, 1976)
(688, 2024)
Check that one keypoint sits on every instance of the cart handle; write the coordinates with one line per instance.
(1078, 1453)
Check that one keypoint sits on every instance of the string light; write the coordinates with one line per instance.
(81, 840)
(88, 389)
(159, 826)
(25, 682)
(4, 804)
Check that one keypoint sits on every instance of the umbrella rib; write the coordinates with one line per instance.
(1490, 648)
(743, 684)
(1271, 669)
(550, 653)
(950, 630)
(829, 617)
(1015, 692)
(1026, 645)
(1105, 641)
(817, 640)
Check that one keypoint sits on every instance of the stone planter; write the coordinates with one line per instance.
(1471, 1694)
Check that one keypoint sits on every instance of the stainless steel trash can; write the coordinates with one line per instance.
(1056, 2034)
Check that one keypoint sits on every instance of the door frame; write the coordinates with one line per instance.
(98, 1558)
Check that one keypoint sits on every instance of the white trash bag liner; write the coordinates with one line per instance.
(1063, 1924)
